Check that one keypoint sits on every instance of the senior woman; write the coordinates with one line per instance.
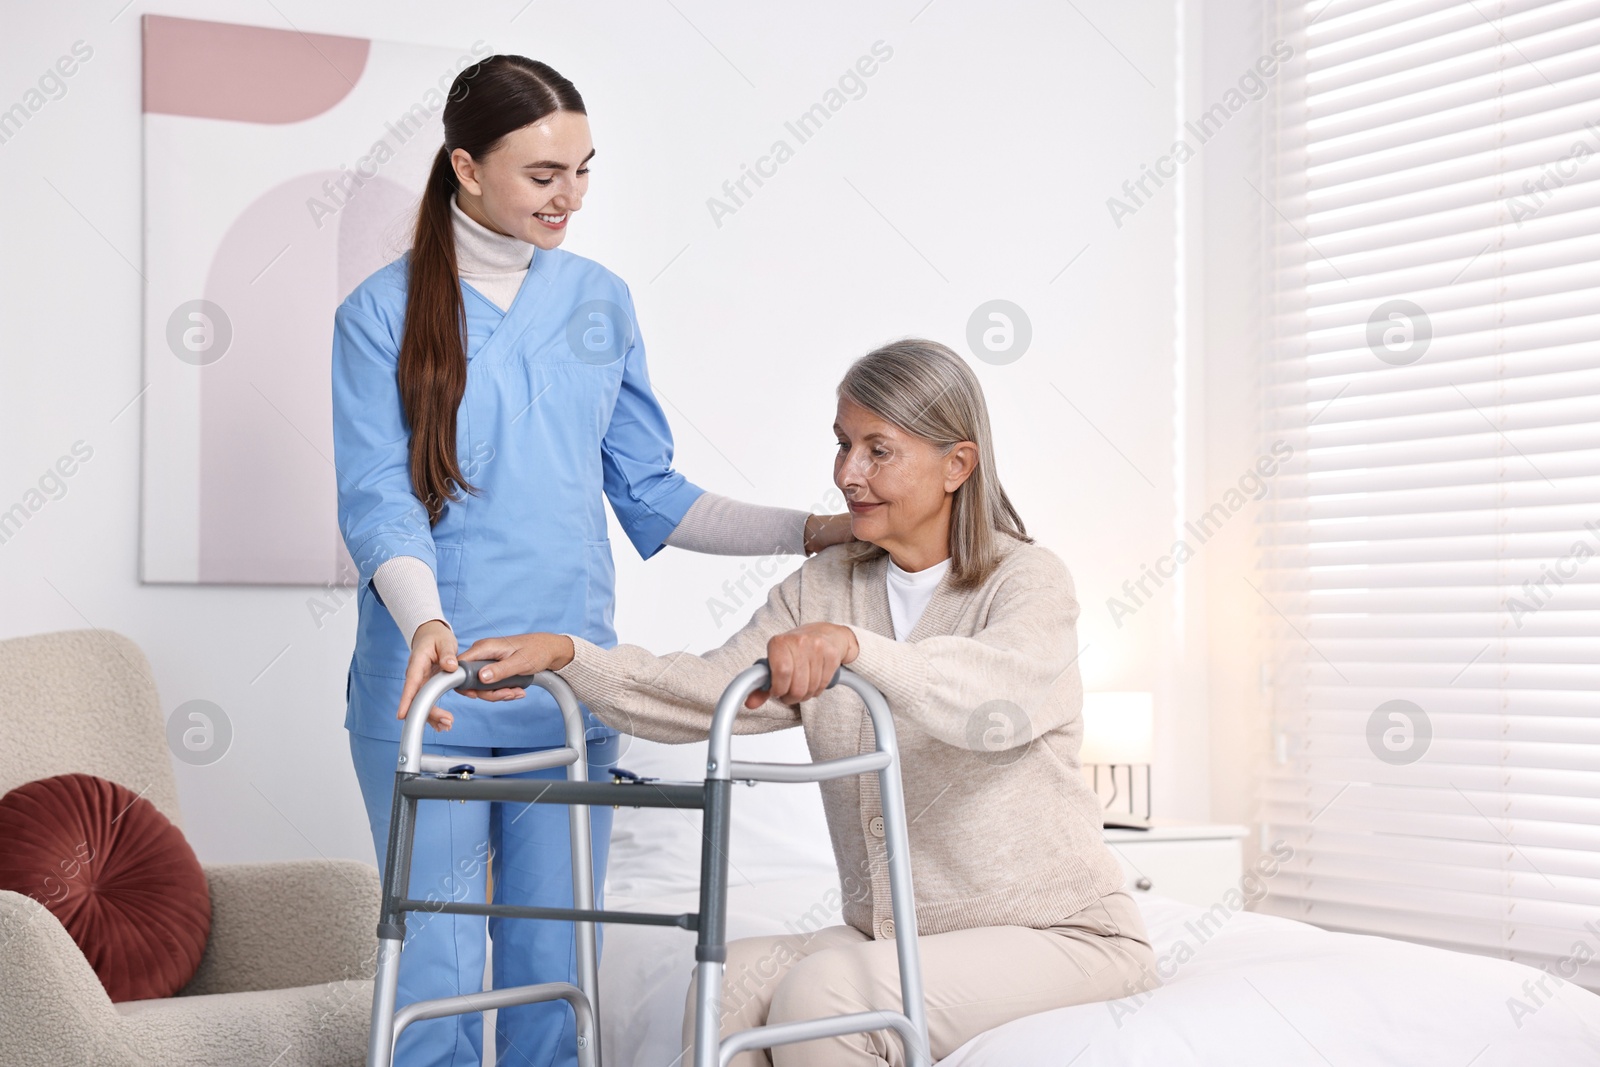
(967, 627)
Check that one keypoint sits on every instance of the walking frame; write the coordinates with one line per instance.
(432, 777)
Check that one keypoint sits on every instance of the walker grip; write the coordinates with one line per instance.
(763, 662)
(515, 681)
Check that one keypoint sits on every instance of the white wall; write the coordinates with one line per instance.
(976, 166)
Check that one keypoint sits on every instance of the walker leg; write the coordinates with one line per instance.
(380, 1040)
(391, 926)
(711, 948)
(707, 1013)
(904, 908)
(583, 933)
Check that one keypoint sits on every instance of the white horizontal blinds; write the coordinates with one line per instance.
(1435, 537)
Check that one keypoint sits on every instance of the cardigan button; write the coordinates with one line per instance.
(876, 826)
(886, 928)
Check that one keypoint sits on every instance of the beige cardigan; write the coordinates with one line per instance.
(987, 706)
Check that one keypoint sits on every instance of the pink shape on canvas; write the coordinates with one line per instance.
(219, 70)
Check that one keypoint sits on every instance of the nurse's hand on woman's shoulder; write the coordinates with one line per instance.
(824, 531)
(518, 654)
(433, 648)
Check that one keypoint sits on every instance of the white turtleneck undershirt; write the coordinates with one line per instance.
(492, 263)
(495, 264)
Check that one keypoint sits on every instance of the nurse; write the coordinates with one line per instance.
(488, 388)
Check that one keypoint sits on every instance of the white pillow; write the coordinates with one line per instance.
(778, 829)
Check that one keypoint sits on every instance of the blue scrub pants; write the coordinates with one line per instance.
(444, 954)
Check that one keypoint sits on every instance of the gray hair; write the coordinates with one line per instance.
(928, 391)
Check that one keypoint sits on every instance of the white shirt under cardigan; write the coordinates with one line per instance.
(495, 264)
(909, 593)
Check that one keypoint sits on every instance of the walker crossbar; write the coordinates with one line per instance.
(684, 921)
(544, 791)
(432, 777)
(498, 998)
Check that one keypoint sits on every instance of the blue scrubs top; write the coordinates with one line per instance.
(558, 407)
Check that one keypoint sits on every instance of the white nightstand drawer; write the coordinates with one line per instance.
(1194, 864)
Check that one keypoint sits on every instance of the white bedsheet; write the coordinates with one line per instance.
(1259, 990)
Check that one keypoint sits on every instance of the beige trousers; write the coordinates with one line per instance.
(973, 980)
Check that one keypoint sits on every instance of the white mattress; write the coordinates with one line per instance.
(1261, 990)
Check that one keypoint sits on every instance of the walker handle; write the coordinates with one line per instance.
(762, 662)
(516, 681)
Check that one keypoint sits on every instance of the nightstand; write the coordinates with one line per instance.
(1193, 862)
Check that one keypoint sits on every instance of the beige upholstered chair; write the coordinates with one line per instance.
(286, 977)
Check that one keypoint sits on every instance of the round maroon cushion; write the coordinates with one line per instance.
(117, 874)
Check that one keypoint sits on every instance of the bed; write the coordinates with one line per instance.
(1256, 989)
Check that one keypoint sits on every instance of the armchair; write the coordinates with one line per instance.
(286, 979)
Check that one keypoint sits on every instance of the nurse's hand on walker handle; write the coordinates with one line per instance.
(433, 648)
(802, 661)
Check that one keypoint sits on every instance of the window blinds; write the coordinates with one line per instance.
(1430, 578)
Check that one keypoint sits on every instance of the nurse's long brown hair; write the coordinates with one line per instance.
(487, 100)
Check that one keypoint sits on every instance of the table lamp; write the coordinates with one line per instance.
(1118, 732)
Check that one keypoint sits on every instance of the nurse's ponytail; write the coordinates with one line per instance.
(487, 100)
(433, 357)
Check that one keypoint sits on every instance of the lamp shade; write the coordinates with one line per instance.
(1118, 728)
